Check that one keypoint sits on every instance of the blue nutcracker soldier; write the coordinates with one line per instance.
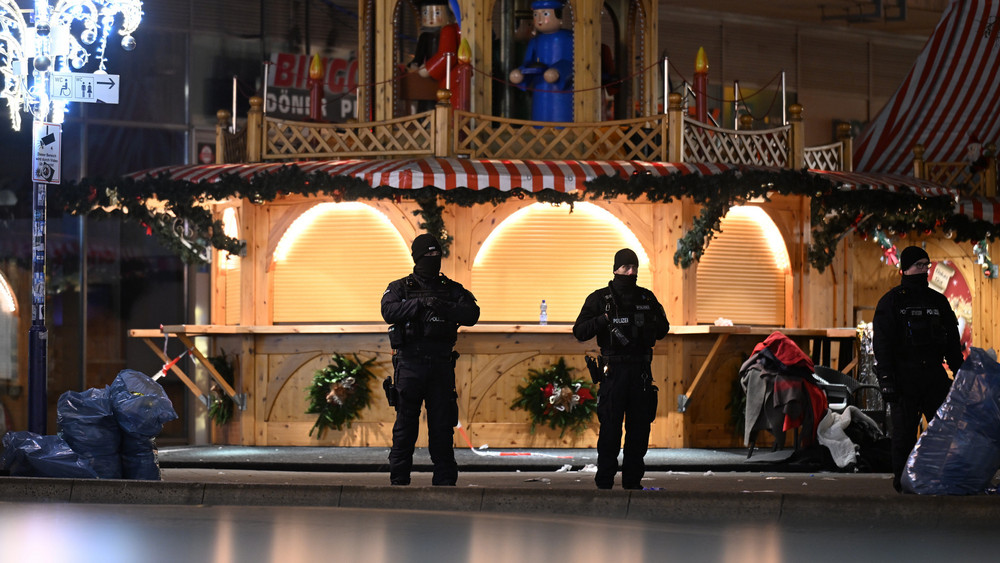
(548, 65)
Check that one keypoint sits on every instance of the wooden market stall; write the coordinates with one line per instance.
(327, 211)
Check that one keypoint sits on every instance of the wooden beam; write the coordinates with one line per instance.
(709, 360)
(177, 371)
(208, 365)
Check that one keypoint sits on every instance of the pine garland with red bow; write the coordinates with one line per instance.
(553, 398)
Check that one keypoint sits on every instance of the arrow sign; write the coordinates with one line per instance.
(84, 87)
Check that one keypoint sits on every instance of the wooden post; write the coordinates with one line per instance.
(797, 149)
(385, 63)
(675, 129)
(846, 147)
(441, 127)
(221, 128)
(918, 162)
(990, 175)
(255, 129)
(587, 60)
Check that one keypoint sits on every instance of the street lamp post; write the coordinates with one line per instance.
(67, 49)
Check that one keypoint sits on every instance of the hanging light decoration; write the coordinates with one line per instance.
(56, 45)
(982, 250)
(889, 256)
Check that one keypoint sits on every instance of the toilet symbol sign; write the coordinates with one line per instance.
(91, 88)
(47, 154)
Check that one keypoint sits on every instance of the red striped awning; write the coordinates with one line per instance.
(979, 207)
(948, 100)
(530, 175)
(449, 173)
(887, 182)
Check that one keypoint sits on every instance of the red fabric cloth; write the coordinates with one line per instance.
(792, 393)
(786, 351)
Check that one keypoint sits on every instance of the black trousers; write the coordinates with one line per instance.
(430, 382)
(626, 395)
(904, 416)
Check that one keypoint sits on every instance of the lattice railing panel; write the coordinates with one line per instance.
(704, 143)
(825, 157)
(481, 136)
(953, 174)
(405, 136)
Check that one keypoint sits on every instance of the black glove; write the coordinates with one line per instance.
(887, 386)
(603, 320)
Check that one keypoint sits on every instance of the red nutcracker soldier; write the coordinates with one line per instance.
(437, 46)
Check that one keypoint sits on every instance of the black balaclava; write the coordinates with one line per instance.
(424, 266)
(908, 257)
(622, 283)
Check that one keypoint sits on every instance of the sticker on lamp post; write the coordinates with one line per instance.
(47, 154)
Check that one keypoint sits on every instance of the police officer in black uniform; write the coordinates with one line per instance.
(914, 333)
(425, 310)
(627, 321)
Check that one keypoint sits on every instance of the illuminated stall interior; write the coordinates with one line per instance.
(8, 331)
(333, 262)
(743, 275)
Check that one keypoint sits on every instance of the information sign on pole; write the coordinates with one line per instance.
(84, 87)
(46, 158)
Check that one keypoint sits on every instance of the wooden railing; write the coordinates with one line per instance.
(705, 143)
(442, 132)
(479, 136)
(974, 180)
(405, 136)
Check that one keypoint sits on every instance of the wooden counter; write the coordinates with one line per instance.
(694, 367)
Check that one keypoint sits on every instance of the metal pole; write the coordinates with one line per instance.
(784, 102)
(506, 45)
(38, 334)
(232, 128)
(666, 82)
(736, 105)
(267, 65)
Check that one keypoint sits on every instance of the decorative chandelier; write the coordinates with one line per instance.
(70, 37)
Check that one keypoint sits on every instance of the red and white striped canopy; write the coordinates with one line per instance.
(949, 99)
(887, 182)
(449, 173)
(530, 175)
(978, 207)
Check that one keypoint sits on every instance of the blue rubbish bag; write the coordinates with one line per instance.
(960, 451)
(26, 454)
(140, 404)
(139, 458)
(88, 425)
(141, 408)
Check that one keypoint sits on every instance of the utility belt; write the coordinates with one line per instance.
(413, 355)
(598, 367)
(417, 354)
(628, 359)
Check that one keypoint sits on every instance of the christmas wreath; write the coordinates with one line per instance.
(339, 392)
(551, 396)
(220, 406)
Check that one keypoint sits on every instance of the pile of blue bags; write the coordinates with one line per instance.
(103, 433)
(959, 454)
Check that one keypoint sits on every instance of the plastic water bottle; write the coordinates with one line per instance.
(543, 317)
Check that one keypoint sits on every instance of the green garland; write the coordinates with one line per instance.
(220, 407)
(551, 396)
(834, 213)
(339, 392)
